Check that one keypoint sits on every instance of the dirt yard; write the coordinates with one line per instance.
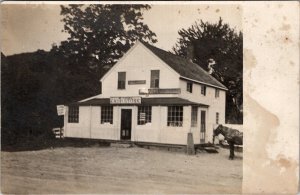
(119, 170)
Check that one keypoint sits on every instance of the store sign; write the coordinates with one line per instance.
(60, 110)
(125, 100)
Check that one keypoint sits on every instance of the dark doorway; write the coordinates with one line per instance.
(202, 127)
(126, 124)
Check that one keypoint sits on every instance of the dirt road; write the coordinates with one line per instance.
(119, 170)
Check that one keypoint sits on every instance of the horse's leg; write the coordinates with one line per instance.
(231, 148)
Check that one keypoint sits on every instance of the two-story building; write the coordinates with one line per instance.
(150, 95)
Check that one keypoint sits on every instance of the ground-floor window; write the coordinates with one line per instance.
(194, 116)
(107, 114)
(73, 114)
(175, 116)
(144, 115)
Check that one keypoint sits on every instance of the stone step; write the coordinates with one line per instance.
(211, 150)
(207, 149)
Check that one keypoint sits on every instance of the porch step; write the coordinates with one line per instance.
(121, 145)
(211, 150)
(207, 147)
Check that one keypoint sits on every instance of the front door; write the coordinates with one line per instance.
(202, 127)
(126, 124)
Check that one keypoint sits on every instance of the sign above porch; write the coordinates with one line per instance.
(125, 100)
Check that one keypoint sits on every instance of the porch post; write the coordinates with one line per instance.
(190, 144)
(190, 140)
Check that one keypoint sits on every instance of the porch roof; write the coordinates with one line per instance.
(144, 101)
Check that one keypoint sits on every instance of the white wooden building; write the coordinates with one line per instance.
(150, 95)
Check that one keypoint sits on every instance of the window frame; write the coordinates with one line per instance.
(194, 116)
(189, 86)
(121, 83)
(175, 116)
(107, 114)
(154, 82)
(73, 114)
(148, 115)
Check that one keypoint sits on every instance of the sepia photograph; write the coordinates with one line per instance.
(122, 98)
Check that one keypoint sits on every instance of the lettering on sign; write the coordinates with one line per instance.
(137, 82)
(125, 100)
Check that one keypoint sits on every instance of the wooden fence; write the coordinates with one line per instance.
(58, 132)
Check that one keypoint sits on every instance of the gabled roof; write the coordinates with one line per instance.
(187, 69)
(144, 101)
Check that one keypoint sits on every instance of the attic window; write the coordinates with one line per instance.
(189, 87)
(154, 79)
(121, 80)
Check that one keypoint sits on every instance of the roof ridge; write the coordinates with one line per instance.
(152, 47)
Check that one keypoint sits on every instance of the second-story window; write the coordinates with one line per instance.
(121, 80)
(154, 79)
(189, 87)
(217, 93)
(203, 90)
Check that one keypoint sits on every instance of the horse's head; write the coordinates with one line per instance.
(217, 131)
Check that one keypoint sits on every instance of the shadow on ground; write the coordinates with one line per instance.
(41, 143)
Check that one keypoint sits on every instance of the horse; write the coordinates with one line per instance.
(233, 137)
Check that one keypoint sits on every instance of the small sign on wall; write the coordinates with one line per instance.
(142, 116)
(125, 100)
(60, 110)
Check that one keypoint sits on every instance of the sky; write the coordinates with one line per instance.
(29, 27)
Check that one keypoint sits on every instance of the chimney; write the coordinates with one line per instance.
(190, 52)
(210, 66)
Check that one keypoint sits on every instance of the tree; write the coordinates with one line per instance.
(101, 34)
(218, 49)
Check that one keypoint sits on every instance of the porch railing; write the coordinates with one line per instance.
(161, 91)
